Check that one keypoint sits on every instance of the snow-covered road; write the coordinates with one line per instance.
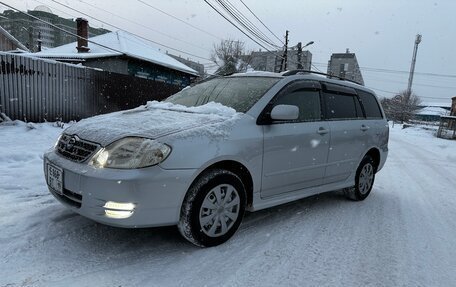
(404, 234)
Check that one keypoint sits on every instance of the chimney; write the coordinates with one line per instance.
(82, 26)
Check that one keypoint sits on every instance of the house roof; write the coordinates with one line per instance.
(436, 104)
(122, 43)
(12, 39)
(432, 111)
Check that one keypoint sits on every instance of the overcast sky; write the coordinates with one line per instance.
(381, 33)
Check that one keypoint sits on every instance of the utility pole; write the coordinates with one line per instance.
(30, 39)
(412, 67)
(299, 55)
(283, 62)
(39, 42)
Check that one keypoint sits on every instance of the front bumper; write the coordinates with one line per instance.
(156, 193)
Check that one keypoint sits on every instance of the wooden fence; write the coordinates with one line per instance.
(38, 90)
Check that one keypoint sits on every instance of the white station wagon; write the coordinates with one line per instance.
(207, 154)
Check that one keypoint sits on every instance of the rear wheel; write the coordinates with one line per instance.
(364, 180)
(213, 208)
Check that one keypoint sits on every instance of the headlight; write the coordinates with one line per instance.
(131, 152)
(57, 142)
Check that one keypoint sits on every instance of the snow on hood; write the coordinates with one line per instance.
(209, 108)
(154, 120)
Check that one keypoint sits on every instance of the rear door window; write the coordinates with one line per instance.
(341, 102)
(342, 106)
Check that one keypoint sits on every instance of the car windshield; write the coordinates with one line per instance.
(239, 93)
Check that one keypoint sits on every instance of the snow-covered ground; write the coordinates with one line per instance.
(404, 234)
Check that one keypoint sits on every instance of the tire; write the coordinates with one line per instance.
(364, 180)
(213, 208)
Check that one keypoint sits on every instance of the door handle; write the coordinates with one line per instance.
(364, 128)
(322, 131)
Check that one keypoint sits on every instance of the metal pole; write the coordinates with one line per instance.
(412, 67)
(286, 50)
(283, 61)
(299, 56)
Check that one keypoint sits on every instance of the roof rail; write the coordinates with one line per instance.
(302, 72)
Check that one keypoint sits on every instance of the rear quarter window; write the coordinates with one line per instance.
(370, 104)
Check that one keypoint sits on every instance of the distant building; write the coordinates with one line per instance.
(33, 33)
(453, 106)
(345, 65)
(430, 114)
(9, 43)
(446, 106)
(122, 53)
(272, 61)
(194, 65)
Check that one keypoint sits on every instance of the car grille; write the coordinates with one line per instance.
(74, 148)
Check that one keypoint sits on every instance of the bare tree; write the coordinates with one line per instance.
(229, 56)
(401, 107)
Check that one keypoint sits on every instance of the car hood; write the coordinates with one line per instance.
(153, 121)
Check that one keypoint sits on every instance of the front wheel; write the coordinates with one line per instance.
(213, 208)
(364, 180)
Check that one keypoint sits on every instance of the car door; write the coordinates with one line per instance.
(378, 127)
(295, 152)
(348, 131)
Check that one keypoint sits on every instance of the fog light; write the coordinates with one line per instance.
(119, 210)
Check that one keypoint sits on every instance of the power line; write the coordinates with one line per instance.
(397, 93)
(54, 9)
(180, 20)
(231, 22)
(144, 26)
(139, 36)
(280, 40)
(60, 29)
(380, 90)
(415, 84)
(405, 72)
(139, 42)
(251, 24)
(382, 70)
(392, 81)
(244, 22)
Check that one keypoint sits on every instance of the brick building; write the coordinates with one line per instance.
(34, 33)
(345, 65)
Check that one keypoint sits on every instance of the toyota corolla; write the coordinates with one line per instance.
(204, 156)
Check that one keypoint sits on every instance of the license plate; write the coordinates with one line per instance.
(55, 178)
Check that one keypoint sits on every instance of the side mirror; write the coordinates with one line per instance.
(285, 113)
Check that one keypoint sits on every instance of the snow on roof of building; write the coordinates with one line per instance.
(432, 111)
(122, 43)
(436, 104)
